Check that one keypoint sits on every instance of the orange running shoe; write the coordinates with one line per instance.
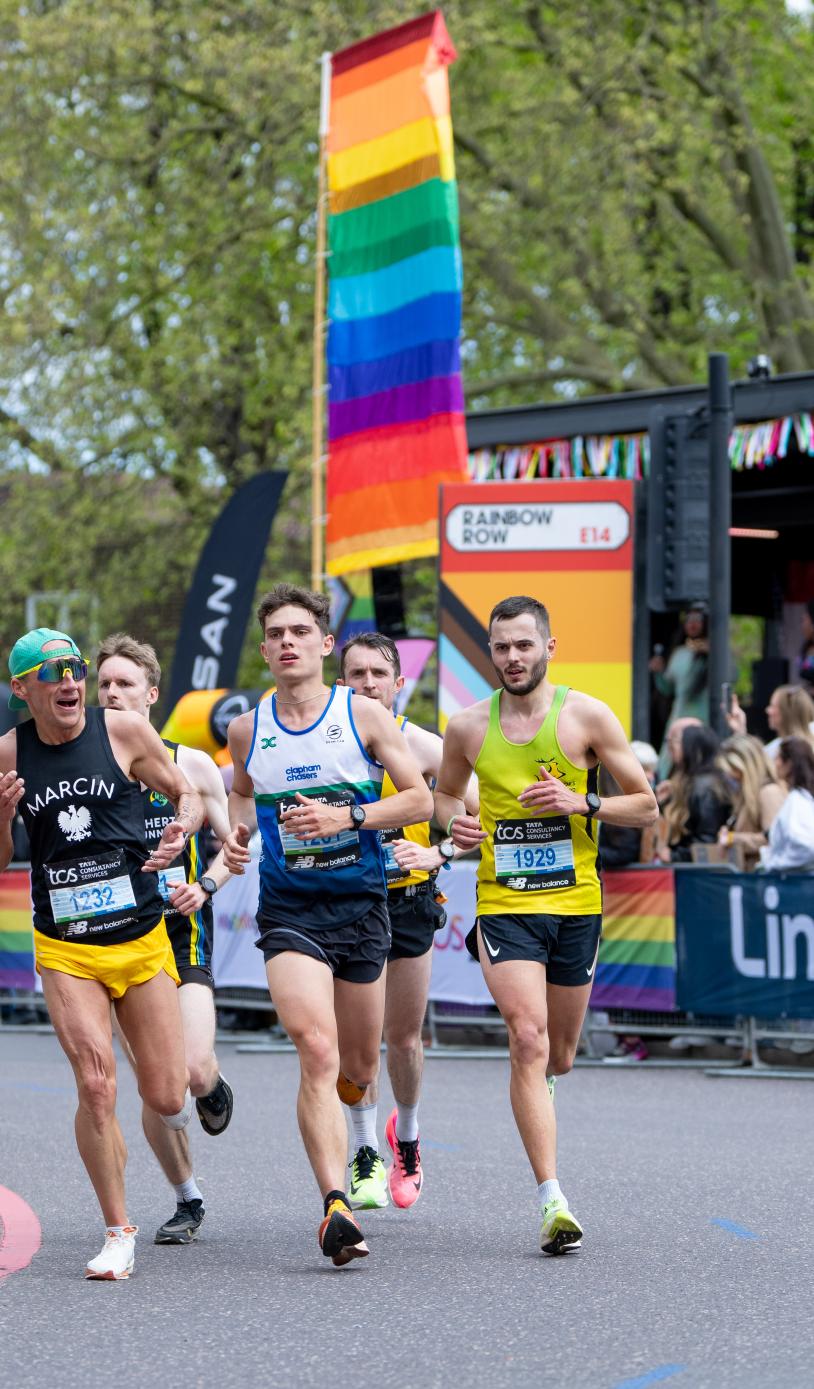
(406, 1177)
(340, 1238)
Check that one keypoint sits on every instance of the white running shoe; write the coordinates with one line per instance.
(116, 1259)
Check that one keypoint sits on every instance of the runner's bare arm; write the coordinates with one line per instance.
(605, 737)
(11, 793)
(204, 775)
(190, 897)
(385, 742)
(242, 812)
(454, 778)
(140, 753)
(428, 750)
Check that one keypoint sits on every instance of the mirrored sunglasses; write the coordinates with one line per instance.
(52, 672)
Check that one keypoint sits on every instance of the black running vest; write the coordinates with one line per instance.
(188, 867)
(85, 823)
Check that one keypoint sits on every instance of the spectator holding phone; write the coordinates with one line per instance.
(790, 713)
(757, 792)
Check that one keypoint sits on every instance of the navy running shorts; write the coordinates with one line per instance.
(356, 951)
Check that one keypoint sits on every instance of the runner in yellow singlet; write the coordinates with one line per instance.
(371, 666)
(535, 748)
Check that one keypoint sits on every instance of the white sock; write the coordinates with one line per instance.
(182, 1118)
(187, 1191)
(407, 1122)
(548, 1190)
(363, 1123)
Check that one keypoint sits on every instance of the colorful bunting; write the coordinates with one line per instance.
(395, 414)
(628, 455)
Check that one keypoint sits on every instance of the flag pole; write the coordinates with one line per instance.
(318, 385)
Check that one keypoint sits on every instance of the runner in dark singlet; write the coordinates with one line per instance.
(99, 930)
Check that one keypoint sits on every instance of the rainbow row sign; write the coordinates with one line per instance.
(16, 939)
(395, 414)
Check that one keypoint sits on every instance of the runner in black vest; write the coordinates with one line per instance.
(129, 678)
(99, 930)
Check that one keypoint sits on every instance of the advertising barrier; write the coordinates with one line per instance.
(745, 943)
(738, 943)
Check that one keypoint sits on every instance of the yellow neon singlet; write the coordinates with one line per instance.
(419, 834)
(544, 864)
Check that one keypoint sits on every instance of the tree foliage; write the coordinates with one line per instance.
(636, 189)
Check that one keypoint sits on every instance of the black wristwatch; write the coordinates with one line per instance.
(447, 849)
(358, 816)
(593, 803)
(208, 884)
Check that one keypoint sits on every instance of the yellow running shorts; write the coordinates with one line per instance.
(118, 967)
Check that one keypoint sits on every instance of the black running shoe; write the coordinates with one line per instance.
(183, 1227)
(215, 1109)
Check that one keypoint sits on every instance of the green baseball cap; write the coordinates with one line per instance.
(28, 653)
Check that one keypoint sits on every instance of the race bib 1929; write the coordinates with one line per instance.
(535, 855)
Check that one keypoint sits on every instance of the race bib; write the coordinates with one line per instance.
(534, 855)
(171, 878)
(331, 852)
(83, 888)
(392, 870)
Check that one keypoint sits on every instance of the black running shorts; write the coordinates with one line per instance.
(415, 916)
(356, 951)
(191, 941)
(566, 945)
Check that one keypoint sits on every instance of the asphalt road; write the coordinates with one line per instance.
(696, 1268)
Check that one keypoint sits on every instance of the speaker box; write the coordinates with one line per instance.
(388, 601)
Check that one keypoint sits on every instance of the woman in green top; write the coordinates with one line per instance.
(684, 677)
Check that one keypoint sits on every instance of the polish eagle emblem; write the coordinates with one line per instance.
(75, 824)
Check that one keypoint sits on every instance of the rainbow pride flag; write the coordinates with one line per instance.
(16, 933)
(396, 407)
(637, 957)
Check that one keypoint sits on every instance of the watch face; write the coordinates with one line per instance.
(357, 815)
(208, 884)
(593, 800)
(446, 849)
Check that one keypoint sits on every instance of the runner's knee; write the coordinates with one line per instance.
(97, 1092)
(319, 1055)
(404, 1039)
(203, 1073)
(360, 1067)
(528, 1041)
(164, 1094)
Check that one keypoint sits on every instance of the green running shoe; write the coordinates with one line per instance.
(561, 1231)
(551, 1081)
(368, 1181)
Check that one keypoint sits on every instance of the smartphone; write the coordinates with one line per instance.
(726, 697)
